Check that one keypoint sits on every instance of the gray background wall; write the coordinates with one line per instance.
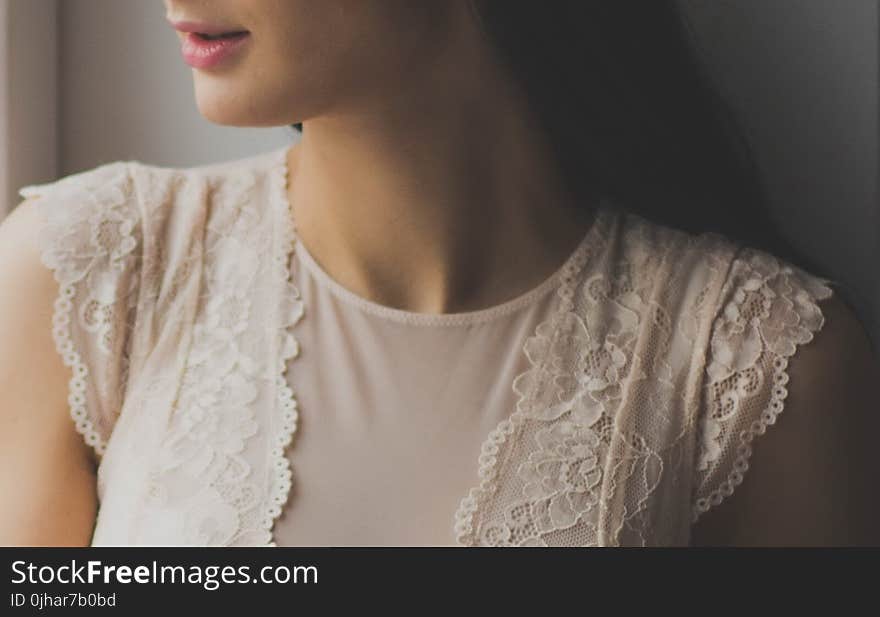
(127, 94)
(802, 73)
(28, 95)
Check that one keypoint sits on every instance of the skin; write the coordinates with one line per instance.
(434, 159)
(812, 477)
(417, 144)
(47, 472)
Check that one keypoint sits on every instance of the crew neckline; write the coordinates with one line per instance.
(459, 318)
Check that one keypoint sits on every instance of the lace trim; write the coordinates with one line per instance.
(62, 263)
(292, 310)
(488, 459)
(204, 489)
(800, 299)
(72, 358)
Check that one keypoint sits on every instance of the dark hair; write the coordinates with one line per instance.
(631, 113)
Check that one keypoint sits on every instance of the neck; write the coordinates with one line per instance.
(441, 197)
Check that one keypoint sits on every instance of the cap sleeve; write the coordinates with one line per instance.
(767, 309)
(90, 239)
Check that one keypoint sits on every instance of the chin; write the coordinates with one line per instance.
(224, 115)
(225, 107)
(222, 103)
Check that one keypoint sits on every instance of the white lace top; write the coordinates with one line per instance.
(612, 404)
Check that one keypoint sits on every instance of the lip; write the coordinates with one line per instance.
(203, 27)
(203, 54)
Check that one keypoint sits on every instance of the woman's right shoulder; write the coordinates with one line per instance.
(70, 256)
(73, 257)
(95, 263)
(116, 207)
(69, 270)
(44, 460)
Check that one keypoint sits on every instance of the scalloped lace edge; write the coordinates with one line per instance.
(488, 459)
(286, 402)
(61, 334)
(768, 417)
(78, 383)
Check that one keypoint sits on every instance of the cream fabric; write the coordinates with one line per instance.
(239, 396)
(394, 406)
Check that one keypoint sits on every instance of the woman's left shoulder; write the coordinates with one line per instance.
(834, 393)
(810, 476)
(842, 350)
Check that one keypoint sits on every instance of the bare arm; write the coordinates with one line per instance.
(47, 472)
(812, 477)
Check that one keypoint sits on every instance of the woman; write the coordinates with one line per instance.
(499, 293)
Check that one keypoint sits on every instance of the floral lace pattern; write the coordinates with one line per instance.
(665, 357)
(603, 439)
(89, 242)
(228, 489)
(563, 430)
(769, 308)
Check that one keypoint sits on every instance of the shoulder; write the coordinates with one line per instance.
(39, 445)
(24, 278)
(739, 290)
(63, 228)
(177, 200)
(82, 194)
(231, 169)
(786, 415)
(67, 252)
(683, 262)
(827, 441)
(86, 219)
(784, 373)
(188, 209)
(113, 173)
(140, 207)
(841, 354)
(834, 383)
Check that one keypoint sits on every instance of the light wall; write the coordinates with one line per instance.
(128, 95)
(28, 96)
(803, 75)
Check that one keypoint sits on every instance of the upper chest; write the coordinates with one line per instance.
(590, 417)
